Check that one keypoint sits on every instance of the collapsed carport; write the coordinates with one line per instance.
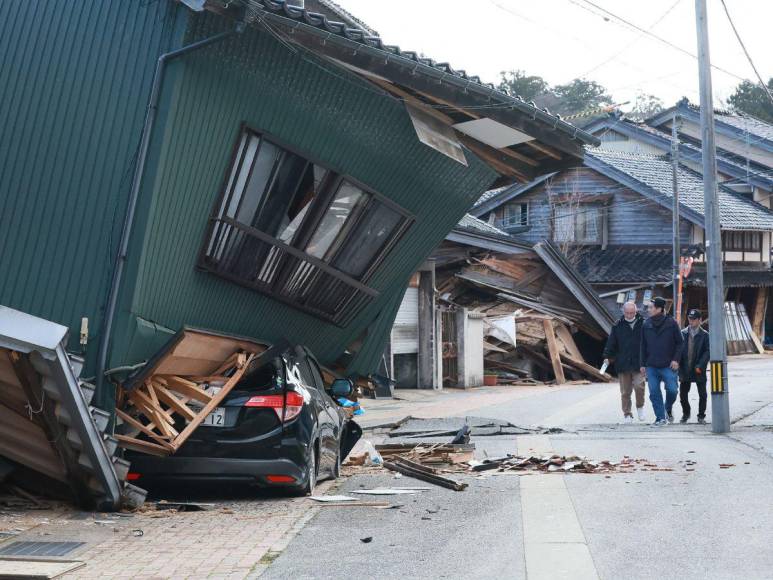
(51, 439)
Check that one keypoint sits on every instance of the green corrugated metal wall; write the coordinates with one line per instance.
(331, 116)
(74, 80)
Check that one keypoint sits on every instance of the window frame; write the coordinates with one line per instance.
(333, 178)
(582, 208)
(730, 237)
(516, 214)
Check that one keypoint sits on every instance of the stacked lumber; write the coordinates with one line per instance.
(546, 319)
(162, 406)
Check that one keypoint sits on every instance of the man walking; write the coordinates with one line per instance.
(692, 366)
(661, 351)
(623, 348)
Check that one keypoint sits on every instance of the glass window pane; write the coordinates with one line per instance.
(375, 228)
(564, 223)
(346, 198)
(255, 181)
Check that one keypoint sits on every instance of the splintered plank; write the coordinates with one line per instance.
(143, 429)
(161, 418)
(141, 446)
(214, 402)
(565, 338)
(187, 388)
(175, 404)
(555, 358)
(586, 368)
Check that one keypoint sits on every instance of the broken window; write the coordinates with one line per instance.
(579, 223)
(290, 227)
(517, 214)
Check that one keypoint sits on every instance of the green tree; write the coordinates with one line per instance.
(517, 82)
(750, 98)
(580, 95)
(645, 106)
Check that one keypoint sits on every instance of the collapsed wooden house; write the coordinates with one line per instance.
(498, 307)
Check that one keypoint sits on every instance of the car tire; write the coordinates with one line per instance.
(311, 467)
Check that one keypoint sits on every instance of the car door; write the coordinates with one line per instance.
(328, 428)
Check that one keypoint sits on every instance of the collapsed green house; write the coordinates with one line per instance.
(244, 166)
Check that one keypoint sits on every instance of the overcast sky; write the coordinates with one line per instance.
(564, 39)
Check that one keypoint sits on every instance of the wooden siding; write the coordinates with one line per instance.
(631, 218)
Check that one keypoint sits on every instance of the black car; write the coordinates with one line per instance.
(279, 427)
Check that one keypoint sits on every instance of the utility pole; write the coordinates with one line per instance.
(720, 407)
(675, 193)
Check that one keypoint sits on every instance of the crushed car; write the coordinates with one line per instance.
(217, 408)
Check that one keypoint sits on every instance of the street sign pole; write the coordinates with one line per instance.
(720, 407)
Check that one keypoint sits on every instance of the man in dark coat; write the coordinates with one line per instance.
(661, 351)
(692, 366)
(623, 349)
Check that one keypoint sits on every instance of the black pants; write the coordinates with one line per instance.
(684, 392)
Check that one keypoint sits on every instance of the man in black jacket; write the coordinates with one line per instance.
(661, 351)
(623, 348)
(692, 366)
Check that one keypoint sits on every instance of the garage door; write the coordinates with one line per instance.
(405, 332)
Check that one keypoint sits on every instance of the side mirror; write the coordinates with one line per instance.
(341, 388)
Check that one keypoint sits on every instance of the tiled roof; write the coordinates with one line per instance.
(339, 29)
(654, 173)
(469, 222)
(746, 123)
(752, 277)
(625, 264)
(491, 193)
(727, 163)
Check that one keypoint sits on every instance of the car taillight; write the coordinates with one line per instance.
(131, 476)
(277, 402)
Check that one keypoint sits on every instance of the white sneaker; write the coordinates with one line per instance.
(627, 419)
(640, 412)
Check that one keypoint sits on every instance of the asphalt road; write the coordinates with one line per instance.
(697, 522)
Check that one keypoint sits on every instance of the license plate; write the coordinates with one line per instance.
(216, 418)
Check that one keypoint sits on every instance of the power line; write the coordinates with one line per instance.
(647, 32)
(746, 52)
(634, 41)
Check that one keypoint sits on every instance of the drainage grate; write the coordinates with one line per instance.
(39, 548)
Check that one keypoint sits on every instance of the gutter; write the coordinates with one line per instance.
(139, 171)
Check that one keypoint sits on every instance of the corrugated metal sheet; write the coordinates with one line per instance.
(340, 121)
(75, 77)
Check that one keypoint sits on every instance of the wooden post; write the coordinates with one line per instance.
(555, 356)
(758, 316)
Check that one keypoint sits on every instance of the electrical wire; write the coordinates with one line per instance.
(746, 52)
(646, 32)
(634, 41)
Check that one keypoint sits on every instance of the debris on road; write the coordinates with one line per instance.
(563, 464)
(367, 540)
(424, 473)
(332, 498)
(391, 490)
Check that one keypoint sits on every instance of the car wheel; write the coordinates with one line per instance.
(311, 466)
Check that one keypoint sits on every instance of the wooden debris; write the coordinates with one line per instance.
(410, 468)
(162, 408)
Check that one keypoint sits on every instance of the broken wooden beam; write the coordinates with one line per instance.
(555, 355)
(399, 466)
(586, 368)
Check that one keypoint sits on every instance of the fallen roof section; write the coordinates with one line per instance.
(46, 423)
(518, 139)
(557, 262)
